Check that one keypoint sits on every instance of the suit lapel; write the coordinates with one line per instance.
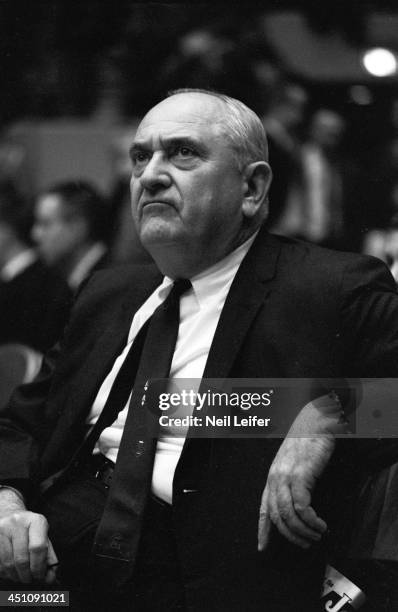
(248, 292)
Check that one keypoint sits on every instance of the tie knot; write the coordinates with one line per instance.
(180, 286)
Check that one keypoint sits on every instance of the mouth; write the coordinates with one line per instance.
(156, 206)
(156, 202)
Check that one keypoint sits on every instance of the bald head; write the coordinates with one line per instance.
(239, 123)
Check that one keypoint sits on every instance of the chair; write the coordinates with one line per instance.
(18, 364)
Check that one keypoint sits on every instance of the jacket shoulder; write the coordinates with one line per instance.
(118, 279)
(328, 265)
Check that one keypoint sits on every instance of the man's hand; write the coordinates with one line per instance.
(26, 553)
(301, 459)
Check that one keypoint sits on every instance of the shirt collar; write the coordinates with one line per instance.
(85, 265)
(17, 264)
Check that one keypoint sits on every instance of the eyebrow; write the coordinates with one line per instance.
(167, 142)
(137, 147)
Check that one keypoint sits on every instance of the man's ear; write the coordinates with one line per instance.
(257, 176)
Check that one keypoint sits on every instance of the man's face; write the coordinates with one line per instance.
(57, 236)
(186, 187)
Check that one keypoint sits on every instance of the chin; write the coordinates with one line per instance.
(155, 232)
(157, 239)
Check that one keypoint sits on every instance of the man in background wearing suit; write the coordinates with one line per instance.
(70, 230)
(34, 300)
(257, 306)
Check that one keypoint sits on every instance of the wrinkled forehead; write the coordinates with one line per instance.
(191, 111)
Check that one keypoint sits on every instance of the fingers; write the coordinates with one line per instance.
(38, 547)
(7, 569)
(283, 523)
(300, 527)
(310, 517)
(264, 523)
(292, 520)
(23, 547)
(293, 527)
(20, 545)
(301, 499)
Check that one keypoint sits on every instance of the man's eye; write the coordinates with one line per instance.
(183, 152)
(139, 157)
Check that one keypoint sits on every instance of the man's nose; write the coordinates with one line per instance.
(156, 173)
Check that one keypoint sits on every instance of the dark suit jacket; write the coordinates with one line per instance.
(294, 310)
(34, 307)
(103, 262)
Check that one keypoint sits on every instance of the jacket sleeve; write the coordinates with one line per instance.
(369, 324)
(369, 319)
(26, 423)
(25, 428)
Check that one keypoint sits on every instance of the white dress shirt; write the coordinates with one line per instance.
(200, 310)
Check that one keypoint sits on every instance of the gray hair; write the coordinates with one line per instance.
(244, 128)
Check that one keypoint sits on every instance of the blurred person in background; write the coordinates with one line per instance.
(70, 230)
(323, 203)
(202, 59)
(283, 123)
(382, 205)
(323, 218)
(34, 301)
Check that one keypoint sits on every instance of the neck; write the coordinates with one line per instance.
(177, 261)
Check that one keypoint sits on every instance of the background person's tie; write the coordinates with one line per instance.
(118, 533)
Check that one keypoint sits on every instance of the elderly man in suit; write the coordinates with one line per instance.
(149, 521)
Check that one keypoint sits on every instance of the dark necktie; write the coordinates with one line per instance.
(119, 529)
